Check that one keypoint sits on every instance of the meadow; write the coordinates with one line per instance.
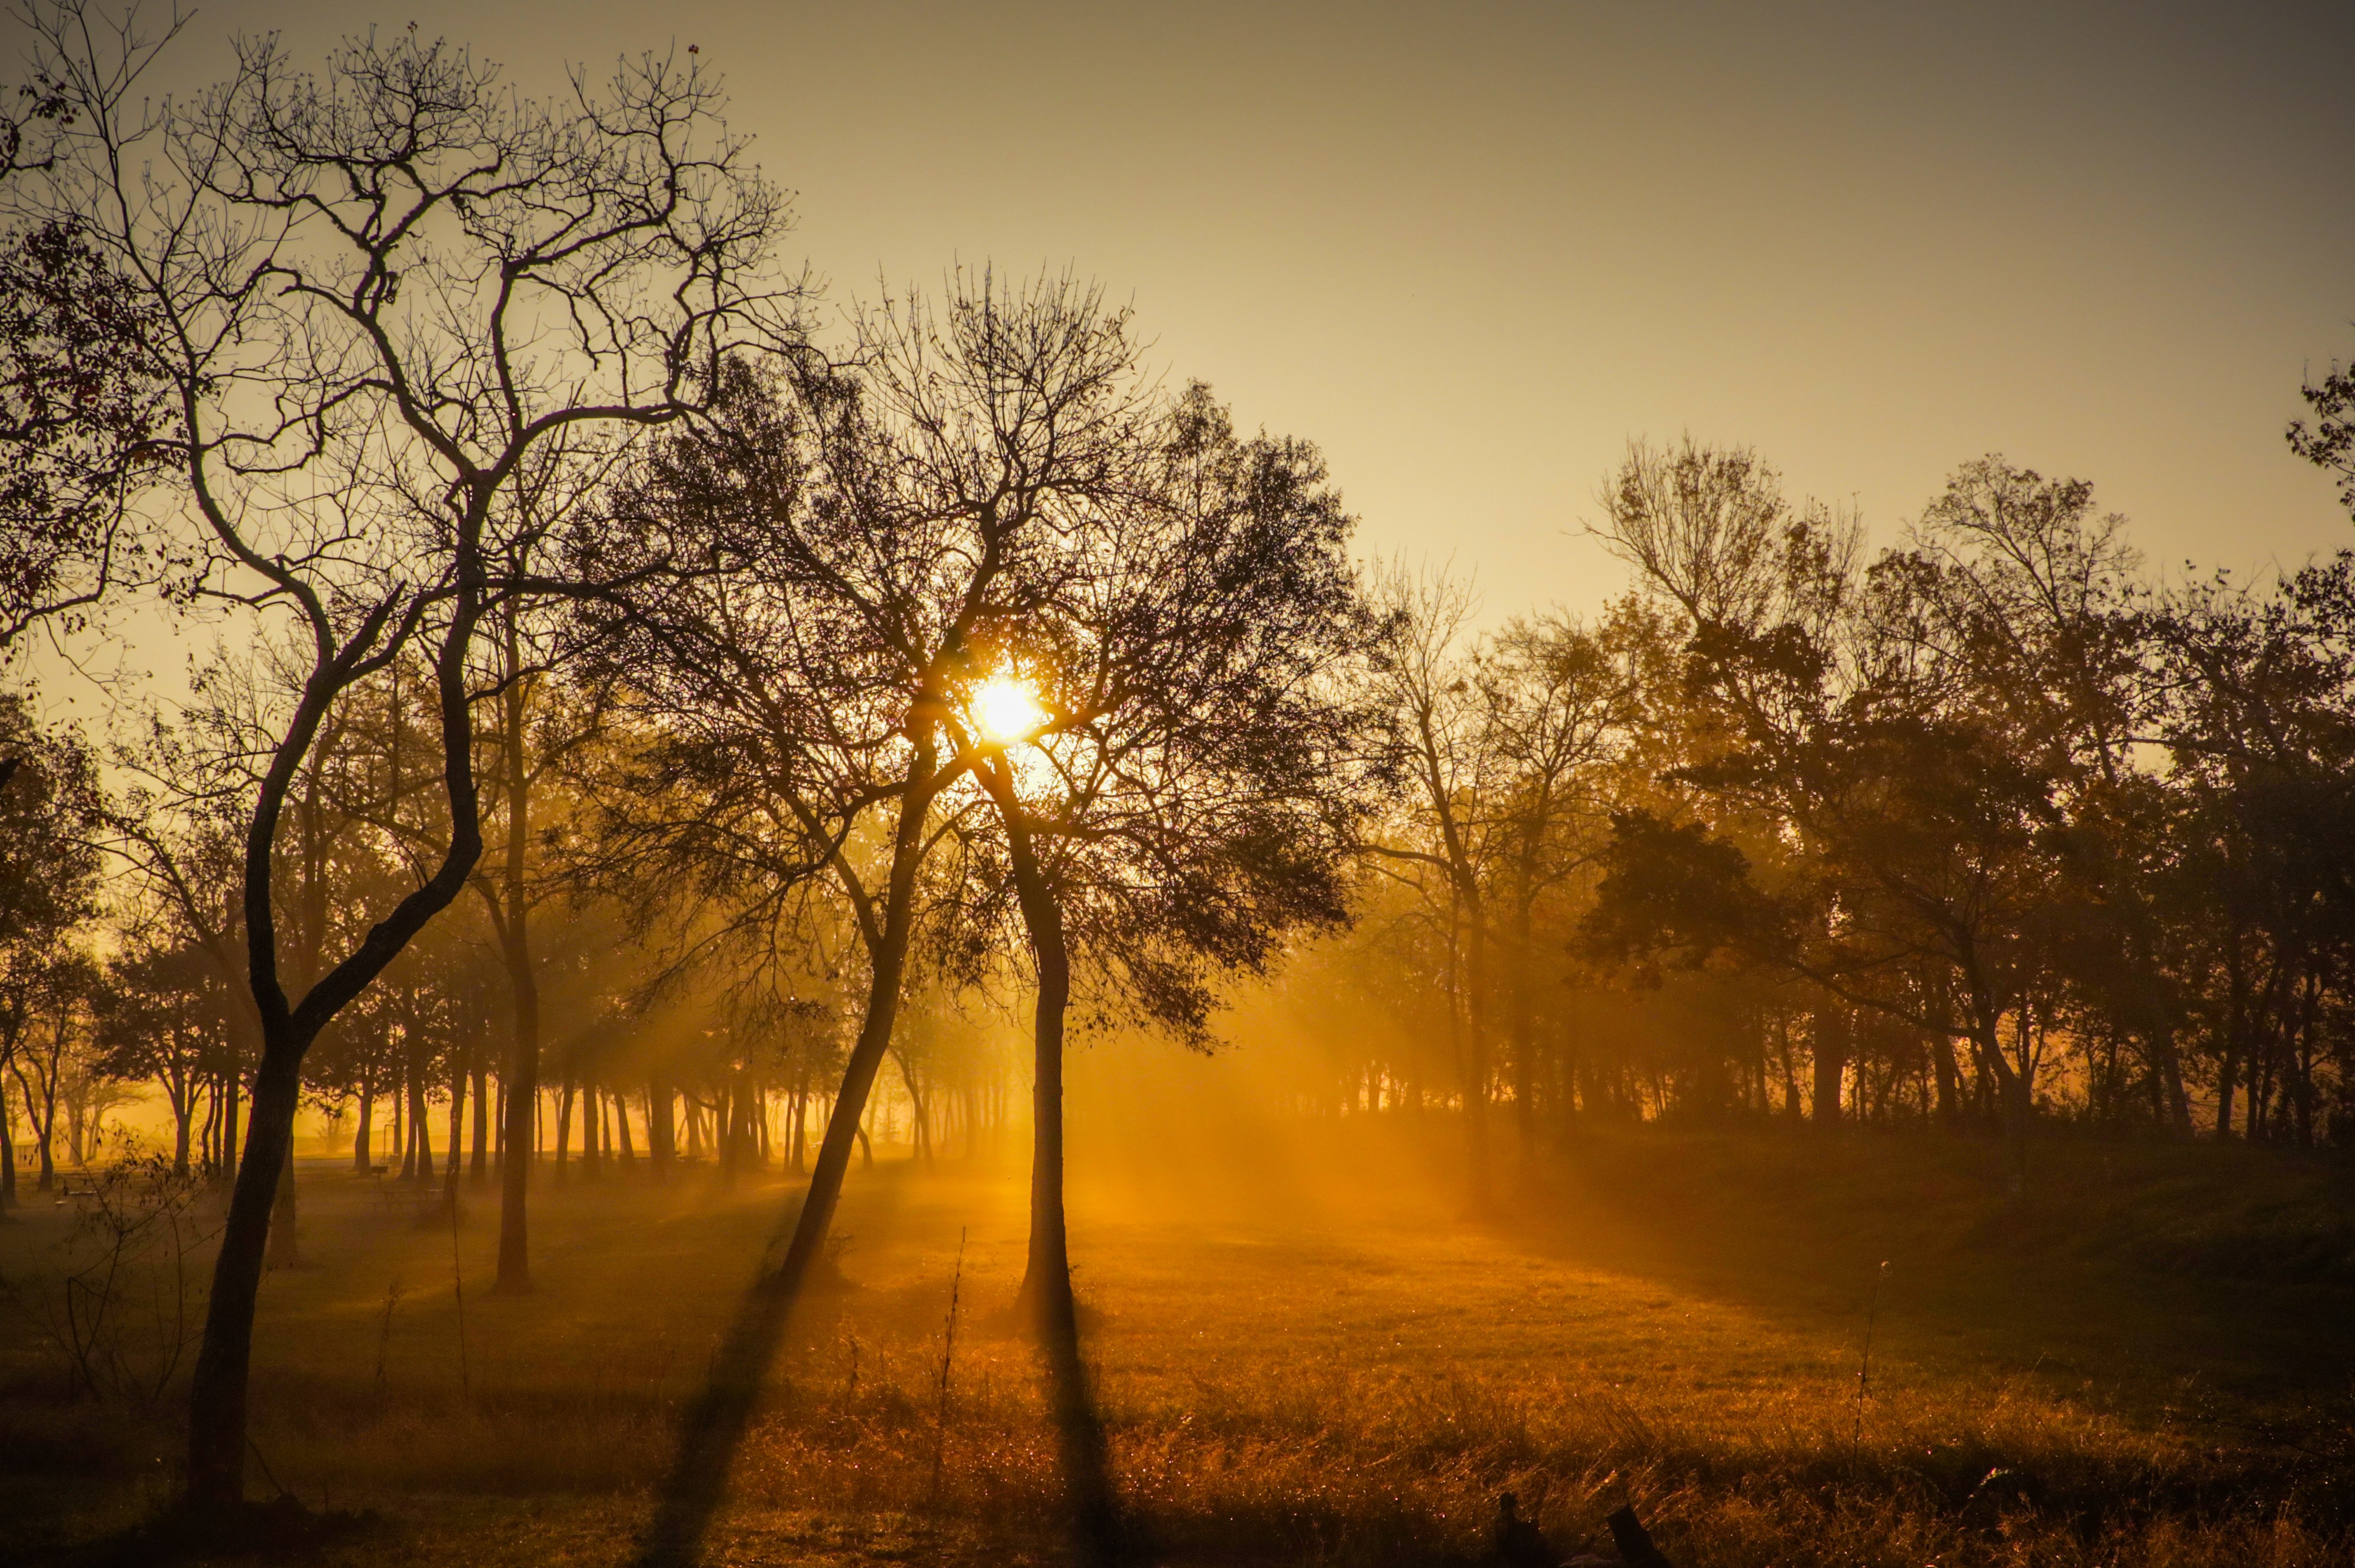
(1306, 1351)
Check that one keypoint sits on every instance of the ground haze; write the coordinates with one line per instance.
(1309, 1366)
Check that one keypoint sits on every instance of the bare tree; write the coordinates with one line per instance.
(374, 293)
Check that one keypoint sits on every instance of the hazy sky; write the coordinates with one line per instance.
(1470, 249)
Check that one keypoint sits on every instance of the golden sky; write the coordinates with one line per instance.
(1471, 248)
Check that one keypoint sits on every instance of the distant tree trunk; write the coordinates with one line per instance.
(1475, 1074)
(622, 1126)
(7, 1153)
(1949, 1077)
(922, 1128)
(2011, 1089)
(564, 1126)
(520, 1079)
(2236, 1011)
(420, 1128)
(661, 1139)
(1522, 1028)
(1831, 1046)
(362, 1138)
(457, 1123)
(400, 1141)
(180, 1094)
(593, 1128)
(480, 1172)
(230, 1157)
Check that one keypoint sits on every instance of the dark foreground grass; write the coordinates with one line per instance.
(1316, 1358)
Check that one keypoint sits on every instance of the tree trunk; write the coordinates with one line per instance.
(231, 1085)
(520, 1080)
(1046, 1278)
(1522, 1033)
(284, 1249)
(216, 1393)
(457, 1123)
(593, 1128)
(480, 1172)
(1831, 1041)
(420, 1129)
(362, 1140)
(183, 1112)
(662, 1141)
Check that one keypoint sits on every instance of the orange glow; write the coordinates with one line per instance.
(1005, 708)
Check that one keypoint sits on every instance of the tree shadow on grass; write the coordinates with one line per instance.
(1100, 1536)
(713, 1428)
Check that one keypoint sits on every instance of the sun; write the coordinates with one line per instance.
(1005, 708)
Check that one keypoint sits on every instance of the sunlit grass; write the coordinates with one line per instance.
(1299, 1379)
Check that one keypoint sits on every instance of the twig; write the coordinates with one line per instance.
(458, 1285)
(1864, 1367)
(948, 1357)
(384, 1335)
(266, 1469)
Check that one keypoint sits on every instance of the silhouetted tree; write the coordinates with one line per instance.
(371, 295)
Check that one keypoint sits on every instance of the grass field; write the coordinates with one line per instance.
(1316, 1358)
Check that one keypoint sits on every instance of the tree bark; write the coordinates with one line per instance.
(217, 1394)
(521, 1077)
(363, 1140)
(7, 1154)
(480, 1170)
(1046, 1278)
(1832, 1045)
(662, 1141)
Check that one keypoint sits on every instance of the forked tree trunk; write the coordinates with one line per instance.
(363, 1142)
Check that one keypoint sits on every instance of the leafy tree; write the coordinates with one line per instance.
(1179, 762)
(52, 814)
(165, 1014)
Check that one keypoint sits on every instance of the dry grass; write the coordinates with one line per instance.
(1309, 1377)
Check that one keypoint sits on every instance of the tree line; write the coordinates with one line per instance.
(1989, 827)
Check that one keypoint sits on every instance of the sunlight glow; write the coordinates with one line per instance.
(1005, 708)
